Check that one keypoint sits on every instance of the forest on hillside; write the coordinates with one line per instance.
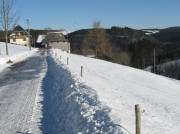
(122, 45)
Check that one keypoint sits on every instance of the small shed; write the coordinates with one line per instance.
(57, 40)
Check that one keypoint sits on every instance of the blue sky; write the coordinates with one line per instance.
(78, 14)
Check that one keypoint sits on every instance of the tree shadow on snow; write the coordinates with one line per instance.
(21, 71)
(18, 132)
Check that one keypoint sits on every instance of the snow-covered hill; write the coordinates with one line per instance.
(103, 100)
(150, 32)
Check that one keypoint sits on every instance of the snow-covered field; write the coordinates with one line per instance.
(44, 95)
(16, 53)
(103, 100)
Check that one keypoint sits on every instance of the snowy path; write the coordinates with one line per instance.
(70, 107)
(18, 88)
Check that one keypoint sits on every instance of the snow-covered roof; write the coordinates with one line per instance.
(40, 38)
(55, 37)
(66, 32)
(18, 29)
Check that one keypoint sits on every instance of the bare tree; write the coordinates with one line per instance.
(96, 24)
(29, 43)
(98, 40)
(48, 28)
(7, 17)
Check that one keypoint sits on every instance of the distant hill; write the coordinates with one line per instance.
(150, 31)
(126, 36)
(169, 35)
(117, 44)
(170, 40)
(116, 35)
(171, 29)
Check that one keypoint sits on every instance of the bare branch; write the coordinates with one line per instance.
(96, 24)
(6, 17)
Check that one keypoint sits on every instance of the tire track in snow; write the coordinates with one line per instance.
(17, 95)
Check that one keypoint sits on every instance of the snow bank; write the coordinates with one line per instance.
(118, 89)
(71, 107)
(16, 53)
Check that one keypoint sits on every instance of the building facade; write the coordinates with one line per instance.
(19, 36)
(57, 40)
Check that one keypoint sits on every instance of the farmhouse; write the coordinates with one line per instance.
(57, 40)
(19, 36)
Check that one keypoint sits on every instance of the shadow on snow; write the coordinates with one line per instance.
(24, 70)
(71, 107)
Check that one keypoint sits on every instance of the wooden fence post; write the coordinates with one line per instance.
(67, 60)
(138, 119)
(81, 71)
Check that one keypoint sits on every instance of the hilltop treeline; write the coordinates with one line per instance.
(121, 45)
(124, 45)
(169, 35)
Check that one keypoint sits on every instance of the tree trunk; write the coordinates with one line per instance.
(96, 52)
(7, 53)
(154, 60)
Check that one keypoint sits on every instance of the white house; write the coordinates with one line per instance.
(19, 36)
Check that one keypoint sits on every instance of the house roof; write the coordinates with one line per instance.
(56, 37)
(40, 38)
(18, 28)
